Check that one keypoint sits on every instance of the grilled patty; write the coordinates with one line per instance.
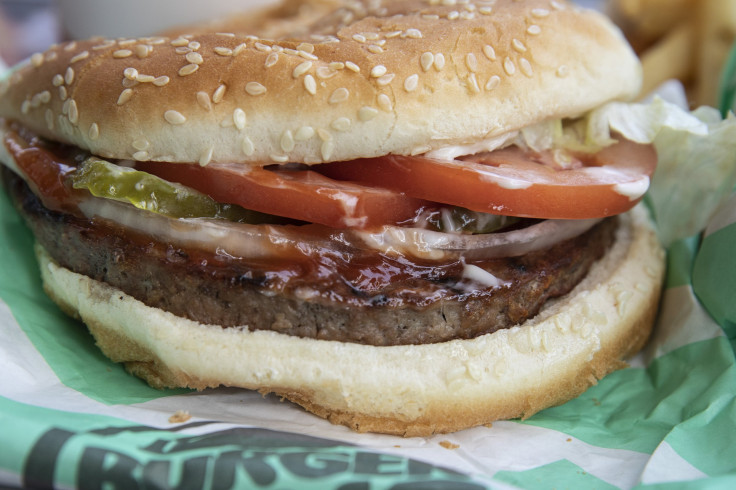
(349, 295)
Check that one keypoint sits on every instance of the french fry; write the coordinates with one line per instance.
(672, 57)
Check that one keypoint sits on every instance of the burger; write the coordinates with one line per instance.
(392, 213)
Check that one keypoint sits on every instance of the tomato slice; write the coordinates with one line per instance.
(515, 182)
(46, 173)
(299, 194)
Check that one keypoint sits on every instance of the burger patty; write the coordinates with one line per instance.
(357, 296)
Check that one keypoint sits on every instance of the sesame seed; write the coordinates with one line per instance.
(62, 93)
(130, 73)
(122, 53)
(37, 59)
(188, 69)
(339, 95)
(467, 15)
(411, 82)
(426, 60)
(304, 133)
(324, 135)
(194, 58)
(508, 66)
(125, 96)
(385, 79)
(326, 149)
(489, 52)
(263, 47)
(430, 16)
(310, 84)
(25, 107)
(375, 49)
(107, 44)
(203, 99)
(563, 71)
(49, 119)
(178, 42)
(219, 93)
(359, 38)
(161, 81)
(271, 60)
(226, 34)
(58, 80)
(540, 13)
(128, 83)
(141, 156)
(45, 96)
(473, 83)
(140, 144)
(393, 34)
(301, 69)
(308, 56)
(174, 117)
(239, 118)
(287, 141)
(384, 102)
(306, 47)
(247, 146)
(371, 36)
(145, 78)
(518, 45)
(352, 66)
(366, 113)
(73, 111)
(51, 56)
(126, 42)
(534, 30)
(557, 5)
(439, 61)
(142, 50)
(413, 33)
(222, 51)
(526, 67)
(493, 82)
(237, 49)
(341, 124)
(279, 158)
(183, 50)
(194, 45)
(71, 46)
(255, 88)
(94, 131)
(206, 156)
(325, 72)
(35, 101)
(485, 10)
(69, 76)
(471, 62)
(378, 71)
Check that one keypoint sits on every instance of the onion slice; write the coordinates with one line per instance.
(259, 241)
(436, 245)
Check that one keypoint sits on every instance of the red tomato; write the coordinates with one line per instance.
(299, 194)
(516, 183)
(46, 173)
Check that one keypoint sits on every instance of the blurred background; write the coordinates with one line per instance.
(688, 40)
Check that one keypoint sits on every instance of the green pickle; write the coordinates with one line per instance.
(145, 191)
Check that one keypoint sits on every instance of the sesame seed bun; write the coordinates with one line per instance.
(410, 390)
(404, 78)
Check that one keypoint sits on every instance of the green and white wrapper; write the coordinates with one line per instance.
(71, 418)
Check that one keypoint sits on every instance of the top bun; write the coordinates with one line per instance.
(360, 79)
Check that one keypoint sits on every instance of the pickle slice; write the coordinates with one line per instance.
(148, 192)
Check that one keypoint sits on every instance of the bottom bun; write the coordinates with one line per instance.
(410, 390)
